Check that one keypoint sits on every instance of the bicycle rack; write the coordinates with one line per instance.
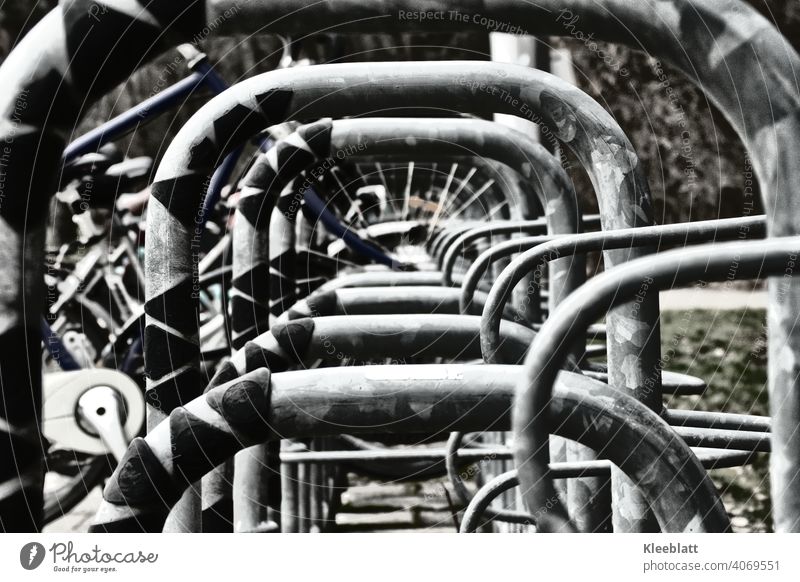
(718, 47)
(278, 167)
(378, 137)
(265, 100)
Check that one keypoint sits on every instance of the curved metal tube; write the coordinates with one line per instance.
(542, 252)
(478, 508)
(366, 337)
(382, 279)
(450, 249)
(261, 191)
(709, 262)
(649, 389)
(456, 245)
(436, 138)
(337, 338)
(452, 458)
(533, 259)
(477, 511)
(481, 265)
(361, 280)
(463, 238)
(379, 137)
(415, 399)
(264, 240)
(728, 438)
(382, 300)
(486, 140)
(282, 95)
(449, 232)
(432, 300)
(748, 69)
(278, 96)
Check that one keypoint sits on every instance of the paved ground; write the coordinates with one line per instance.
(396, 507)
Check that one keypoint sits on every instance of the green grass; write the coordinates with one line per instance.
(728, 350)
